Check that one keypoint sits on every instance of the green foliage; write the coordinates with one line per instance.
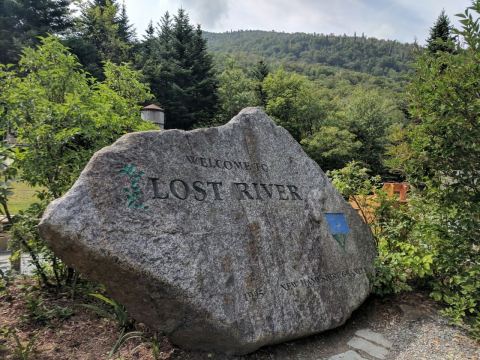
(126, 31)
(155, 345)
(180, 72)
(359, 53)
(103, 33)
(124, 337)
(355, 183)
(331, 147)
(443, 144)
(62, 117)
(470, 31)
(259, 72)
(293, 101)
(440, 35)
(6, 279)
(395, 270)
(111, 309)
(403, 233)
(354, 180)
(236, 91)
(334, 126)
(368, 115)
(400, 231)
(440, 156)
(126, 84)
(117, 312)
(25, 238)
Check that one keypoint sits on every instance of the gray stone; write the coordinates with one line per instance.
(375, 337)
(368, 347)
(225, 239)
(349, 355)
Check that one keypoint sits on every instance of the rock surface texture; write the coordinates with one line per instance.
(226, 239)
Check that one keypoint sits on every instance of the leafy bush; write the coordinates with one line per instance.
(403, 257)
(355, 184)
(61, 116)
(441, 159)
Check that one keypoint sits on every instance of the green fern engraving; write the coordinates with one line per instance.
(134, 193)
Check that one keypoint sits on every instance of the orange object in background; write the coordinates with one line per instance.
(365, 205)
(397, 189)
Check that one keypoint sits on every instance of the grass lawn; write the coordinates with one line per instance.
(23, 196)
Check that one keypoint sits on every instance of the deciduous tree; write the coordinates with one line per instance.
(294, 102)
(62, 116)
(236, 91)
(368, 115)
(331, 147)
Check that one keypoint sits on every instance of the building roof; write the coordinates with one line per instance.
(152, 107)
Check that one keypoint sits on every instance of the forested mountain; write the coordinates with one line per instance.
(359, 53)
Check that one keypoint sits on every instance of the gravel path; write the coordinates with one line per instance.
(432, 339)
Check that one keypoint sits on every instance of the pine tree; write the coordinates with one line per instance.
(126, 31)
(23, 21)
(205, 82)
(149, 41)
(259, 73)
(180, 72)
(440, 35)
(103, 34)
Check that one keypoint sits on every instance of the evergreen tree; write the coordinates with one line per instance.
(180, 71)
(205, 84)
(126, 31)
(103, 34)
(152, 54)
(148, 46)
(23, 21)
(259, 73)
(440, 35)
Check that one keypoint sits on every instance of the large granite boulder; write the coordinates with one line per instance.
(225, 239)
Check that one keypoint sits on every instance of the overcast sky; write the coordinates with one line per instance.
(403, 20)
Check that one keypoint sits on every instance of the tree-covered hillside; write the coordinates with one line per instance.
(359, 53)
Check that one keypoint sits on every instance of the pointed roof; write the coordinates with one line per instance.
(152, 107)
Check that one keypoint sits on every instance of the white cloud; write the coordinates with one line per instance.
(402, 20)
